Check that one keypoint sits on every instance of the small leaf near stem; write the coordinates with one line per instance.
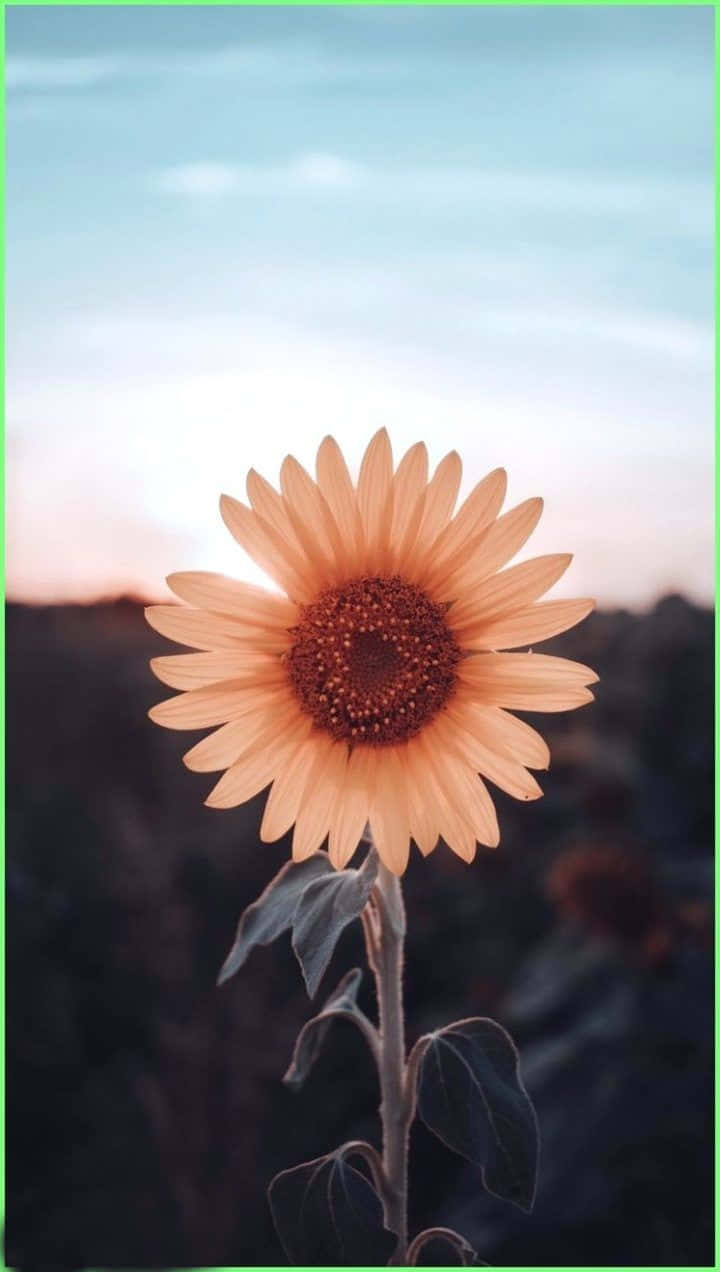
(327, 1213)
(412, 1068)
(273, 912)
(324, 910)
(471, 1095)
(342, 1004)
(462, 1248)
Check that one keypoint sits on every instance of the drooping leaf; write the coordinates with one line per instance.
(328, 1214)
(442, 1247)
(324, 910)
(272, 913)
(342, 1002)
(471, 1095)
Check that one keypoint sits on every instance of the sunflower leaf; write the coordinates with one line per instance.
(465, 1255)
(272, 913)
(471, 1096)
(327, 1213)
(341, 1003)
(323, 912)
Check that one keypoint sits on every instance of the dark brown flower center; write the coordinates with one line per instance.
(373, 660)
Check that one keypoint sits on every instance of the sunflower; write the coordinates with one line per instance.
(372, 690)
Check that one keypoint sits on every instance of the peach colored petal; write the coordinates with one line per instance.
(267, 547)
(512, 588)
(245, 778)
(530, 682)
(442, 493)
(254, 769)
(389, 813)
(479, 509)
(439, 781)
(192, 671)
(270, 506)
(545, 669)
(478, 807)
(322, 783)
(214, 704)
(409, 485)
(252, 606)
(311, 519)
(486, 553)
(421, 806)
(203, 630)
(503, 770)
(286, 792)
(526, 626)
(463, 799)
(352, 807)
(374, 495)
(336, 485)
(503, 732)
(258, 730)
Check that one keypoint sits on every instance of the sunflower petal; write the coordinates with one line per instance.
(503, 732)
(256, 730)
(283, 802)
(323, 781)
(192, 671)
(268, 548)
(245, 778)
(422, 815)
(336, 485)
(501, 769)
(442, 493)
(490, 550)
(352, 807)
(310, 517)
(530, 682)
(409, 485)
(250, 605)
(374, 495)
(270, 506)
(214, 704)
(201, 630)
(254, 769)
(518, 586)
(479, 509)
(439, 780)
(388, 814)
(528, 625)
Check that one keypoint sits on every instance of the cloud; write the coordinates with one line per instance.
(687, 202)
(263, 66)
(157, 440)
(59, 72)
(311, 171)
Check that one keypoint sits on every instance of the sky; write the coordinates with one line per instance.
(233, 230)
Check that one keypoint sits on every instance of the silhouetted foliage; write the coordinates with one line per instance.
(146, 1111)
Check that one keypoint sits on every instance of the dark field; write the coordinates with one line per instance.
(145, 1109)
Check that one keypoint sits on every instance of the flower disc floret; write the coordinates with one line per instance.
(373, 661)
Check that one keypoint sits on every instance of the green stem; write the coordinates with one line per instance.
(387, 963)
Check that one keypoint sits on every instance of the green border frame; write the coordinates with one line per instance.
(279, 4)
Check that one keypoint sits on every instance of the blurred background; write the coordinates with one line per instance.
(230, 231)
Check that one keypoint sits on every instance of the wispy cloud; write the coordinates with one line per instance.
(289, 65)
(155, 452)
(311, 171)
(59, 72)
(688, 202)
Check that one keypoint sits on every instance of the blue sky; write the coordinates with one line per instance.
(232, 230)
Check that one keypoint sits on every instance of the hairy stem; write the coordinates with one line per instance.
(387, 964)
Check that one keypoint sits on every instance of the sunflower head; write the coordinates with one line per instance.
(373, 689)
